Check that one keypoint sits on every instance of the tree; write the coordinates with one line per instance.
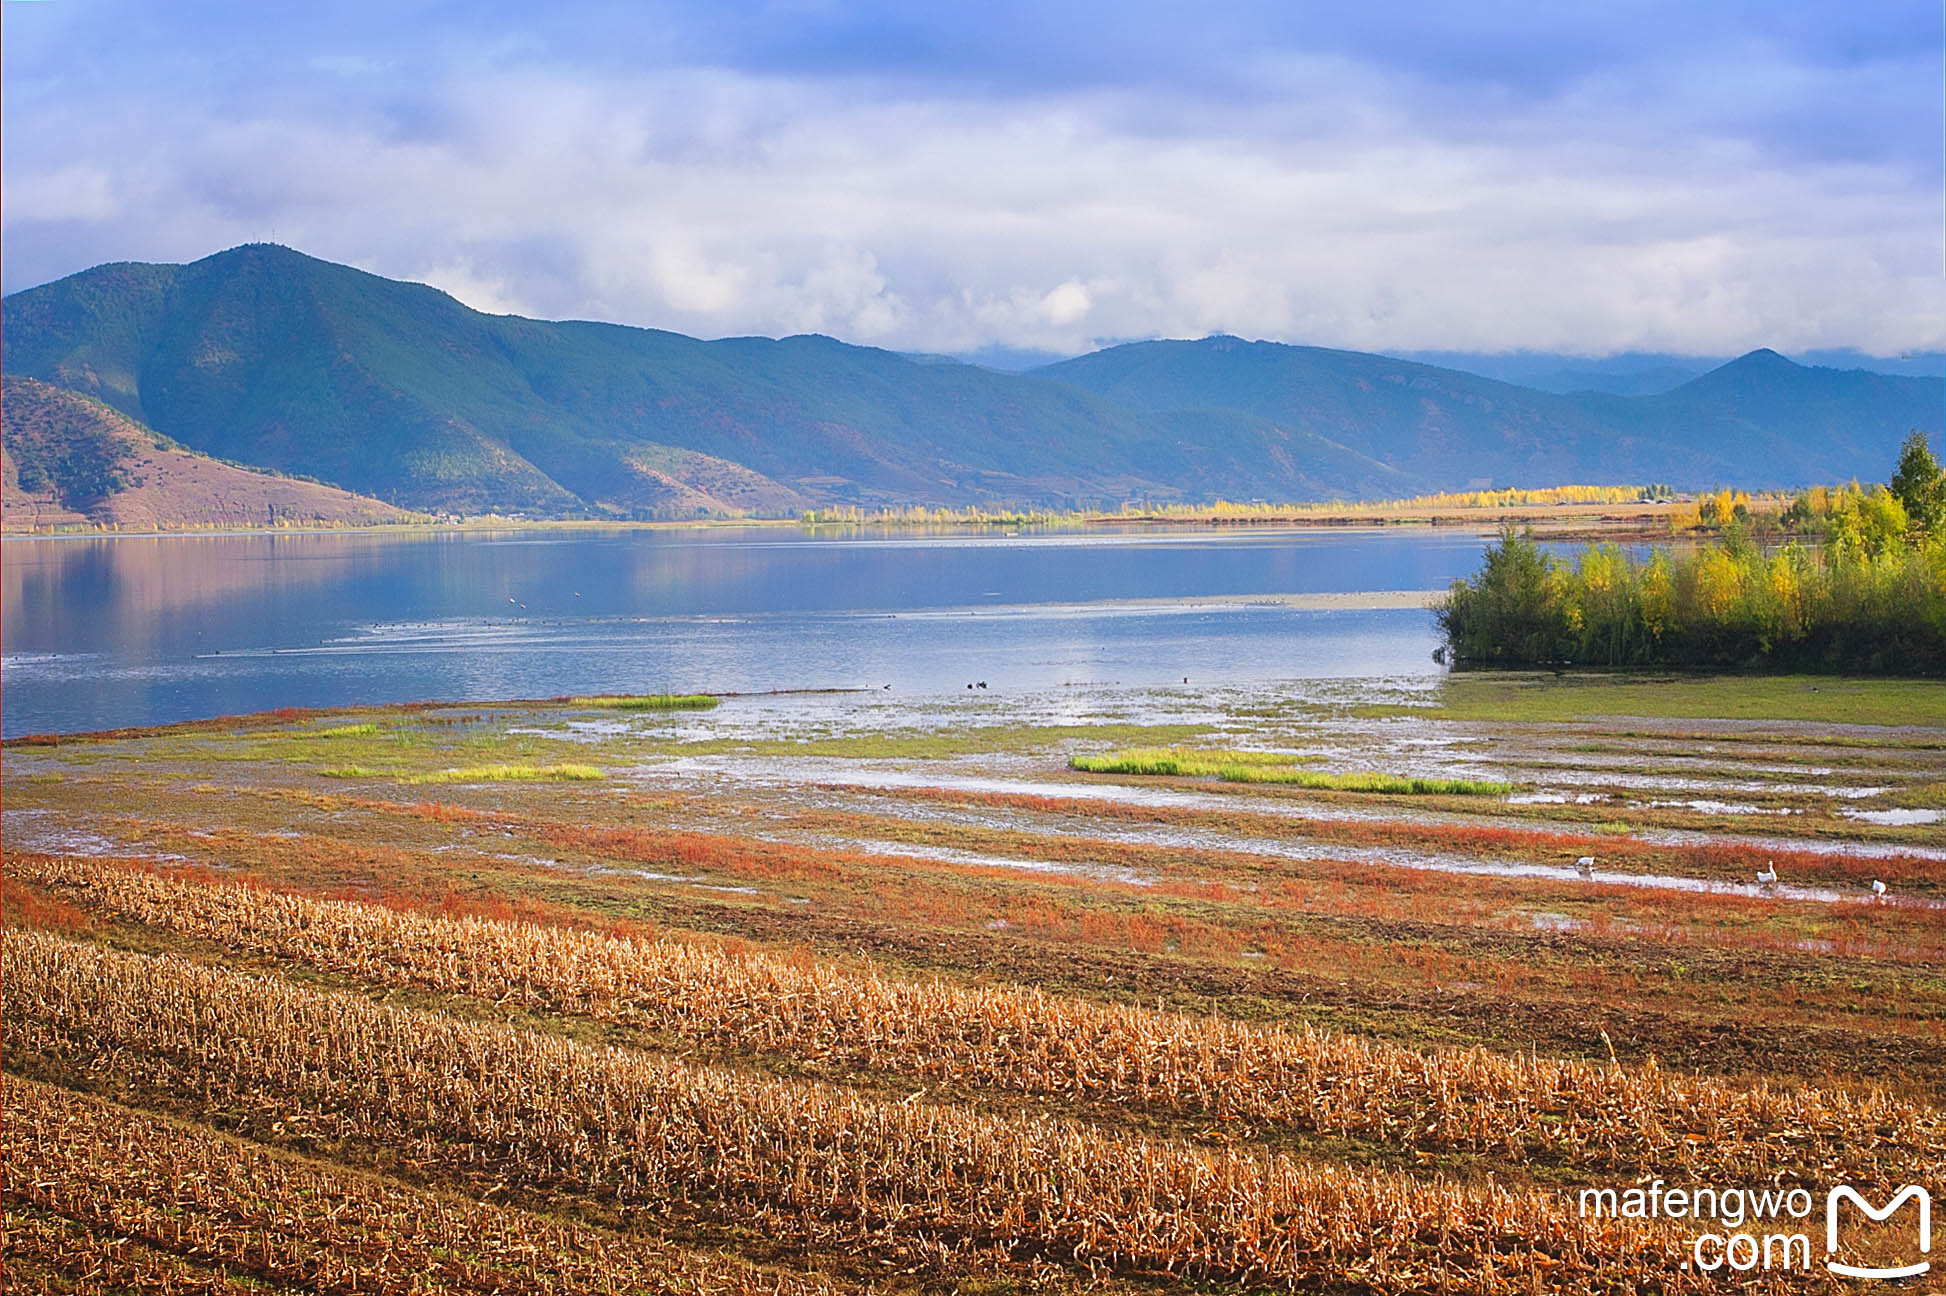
(1870, 523)
(1511, 611)
(1920, 484)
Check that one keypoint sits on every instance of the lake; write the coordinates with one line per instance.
(101, 632)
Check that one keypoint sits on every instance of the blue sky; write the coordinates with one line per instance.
(1629, 176)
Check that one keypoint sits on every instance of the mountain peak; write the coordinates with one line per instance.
(1763, 358)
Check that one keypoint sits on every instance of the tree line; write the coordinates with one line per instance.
(1858, 585)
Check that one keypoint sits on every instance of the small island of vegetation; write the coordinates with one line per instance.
(1857, 584)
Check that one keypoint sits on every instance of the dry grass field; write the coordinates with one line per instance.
(848, 994)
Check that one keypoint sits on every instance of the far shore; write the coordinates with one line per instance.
(1644, 521)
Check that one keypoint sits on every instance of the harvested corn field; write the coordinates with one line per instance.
(942, 1010)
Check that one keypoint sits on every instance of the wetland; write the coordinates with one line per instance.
(1322, 945)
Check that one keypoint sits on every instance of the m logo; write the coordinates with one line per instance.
(1845, 1193)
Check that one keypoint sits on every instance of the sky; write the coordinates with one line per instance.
(1691, 178)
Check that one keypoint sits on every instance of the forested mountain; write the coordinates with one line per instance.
(271, 358)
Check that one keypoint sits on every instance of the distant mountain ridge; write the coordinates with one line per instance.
(1759, 420)
(268, 357)
(1649, 373)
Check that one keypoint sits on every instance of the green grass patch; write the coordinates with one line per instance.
(1276, 767)
(341, 731)
(507, 773)
(1931, 796)
(649, 701)
(1193, 763)
(1536, 696)
(350, 771)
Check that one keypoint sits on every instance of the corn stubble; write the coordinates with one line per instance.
(144, 1204)
(1597, 1118)
(949, 1188)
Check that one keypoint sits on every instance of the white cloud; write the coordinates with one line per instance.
(459, 278)
(1344, 207)
(1067, 303)
(77, 191)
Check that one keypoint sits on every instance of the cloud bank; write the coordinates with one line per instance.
(1046, 177)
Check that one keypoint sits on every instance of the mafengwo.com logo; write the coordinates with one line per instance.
(1738, 1230)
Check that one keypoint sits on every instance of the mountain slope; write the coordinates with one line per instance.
(69, 460)
(1763, 407)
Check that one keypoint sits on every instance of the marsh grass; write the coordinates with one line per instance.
(509, 773)
(649, 701)
(1276, 767)
(341, 731)
(1534, 696)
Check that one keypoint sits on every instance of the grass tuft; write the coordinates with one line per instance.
(649, 701)
(341, 731)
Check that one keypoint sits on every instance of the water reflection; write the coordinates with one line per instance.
(99, 632)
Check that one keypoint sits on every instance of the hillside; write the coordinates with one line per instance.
(68, 460)
(264, 356)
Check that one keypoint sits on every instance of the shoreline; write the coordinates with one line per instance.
(1647, 523)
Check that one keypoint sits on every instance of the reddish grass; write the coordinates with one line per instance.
(23, 904)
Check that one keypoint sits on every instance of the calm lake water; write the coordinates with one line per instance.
(98, 632)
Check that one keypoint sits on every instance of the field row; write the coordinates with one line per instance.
(1593, 1117)
(1716, 861)
(941, 1187)
(149, 1205)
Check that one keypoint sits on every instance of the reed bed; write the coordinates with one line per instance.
(1008, 1038)
(213, 1212)
(941, 1186)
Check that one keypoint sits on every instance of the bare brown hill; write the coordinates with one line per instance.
(67, 460)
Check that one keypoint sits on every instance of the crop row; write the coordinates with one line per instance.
(195, 1209)
(1021, 1039)
(51, 1254)
(941, 1185)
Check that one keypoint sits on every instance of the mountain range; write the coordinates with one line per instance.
(274, 360)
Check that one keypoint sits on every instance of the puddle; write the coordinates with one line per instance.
(32, 834)
(1895, 818)
(1557, 922)
(1722, 807)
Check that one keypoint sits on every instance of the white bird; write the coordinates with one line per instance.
(1878, 889)
(1585, 866)
(1768, 876)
